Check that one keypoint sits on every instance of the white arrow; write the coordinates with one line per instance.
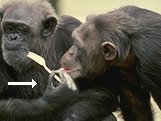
(33, 83)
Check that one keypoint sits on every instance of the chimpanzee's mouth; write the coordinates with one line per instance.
(74, 73)
(16, 52)
(14, 46)
(68, 70)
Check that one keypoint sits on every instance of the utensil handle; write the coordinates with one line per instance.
(56, 77)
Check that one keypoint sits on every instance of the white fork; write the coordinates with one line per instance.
(40, 60)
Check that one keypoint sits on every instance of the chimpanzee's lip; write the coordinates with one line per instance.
(68, 70)
(12, 50)
(17, 51)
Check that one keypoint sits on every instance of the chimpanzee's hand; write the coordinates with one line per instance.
(54, 86)
(60, 95)
(52, 83)
(68, 80)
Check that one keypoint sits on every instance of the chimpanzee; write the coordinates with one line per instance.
(29, 25)
(128, 40)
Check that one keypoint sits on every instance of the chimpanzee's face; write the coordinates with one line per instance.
(86, 57)
(24, 30)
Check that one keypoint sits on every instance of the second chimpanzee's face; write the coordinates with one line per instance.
(86, 58)
(24, 29)
(16, 35)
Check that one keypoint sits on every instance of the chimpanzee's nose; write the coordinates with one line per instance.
(13, 37)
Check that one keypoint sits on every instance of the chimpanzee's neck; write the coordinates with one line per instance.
(110, 77)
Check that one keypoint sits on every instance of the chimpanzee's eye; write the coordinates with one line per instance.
(23, 28)
(8, 28)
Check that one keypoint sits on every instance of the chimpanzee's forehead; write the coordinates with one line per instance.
(84, 33)
(20, 13)
(87, 30)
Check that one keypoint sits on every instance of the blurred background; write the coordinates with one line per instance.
(81, 8)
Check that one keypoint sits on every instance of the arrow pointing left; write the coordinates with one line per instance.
(33, 83)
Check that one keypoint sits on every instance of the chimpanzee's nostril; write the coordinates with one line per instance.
(14, 37)
(71, 52)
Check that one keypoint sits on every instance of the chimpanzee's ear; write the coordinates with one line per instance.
(49, 25)
(1, 13)
(109, 51)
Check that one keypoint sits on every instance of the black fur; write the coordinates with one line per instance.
(128, 40)
(15, 100)
(22, 103)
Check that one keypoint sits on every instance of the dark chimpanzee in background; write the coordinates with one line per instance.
(29, 25)
(127, 40)
(32, 26)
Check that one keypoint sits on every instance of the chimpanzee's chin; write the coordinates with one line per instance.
(74, 74)
(16, 59)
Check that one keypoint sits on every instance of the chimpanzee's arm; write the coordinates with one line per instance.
(53, 98)
(57, 99)
(91, 105)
